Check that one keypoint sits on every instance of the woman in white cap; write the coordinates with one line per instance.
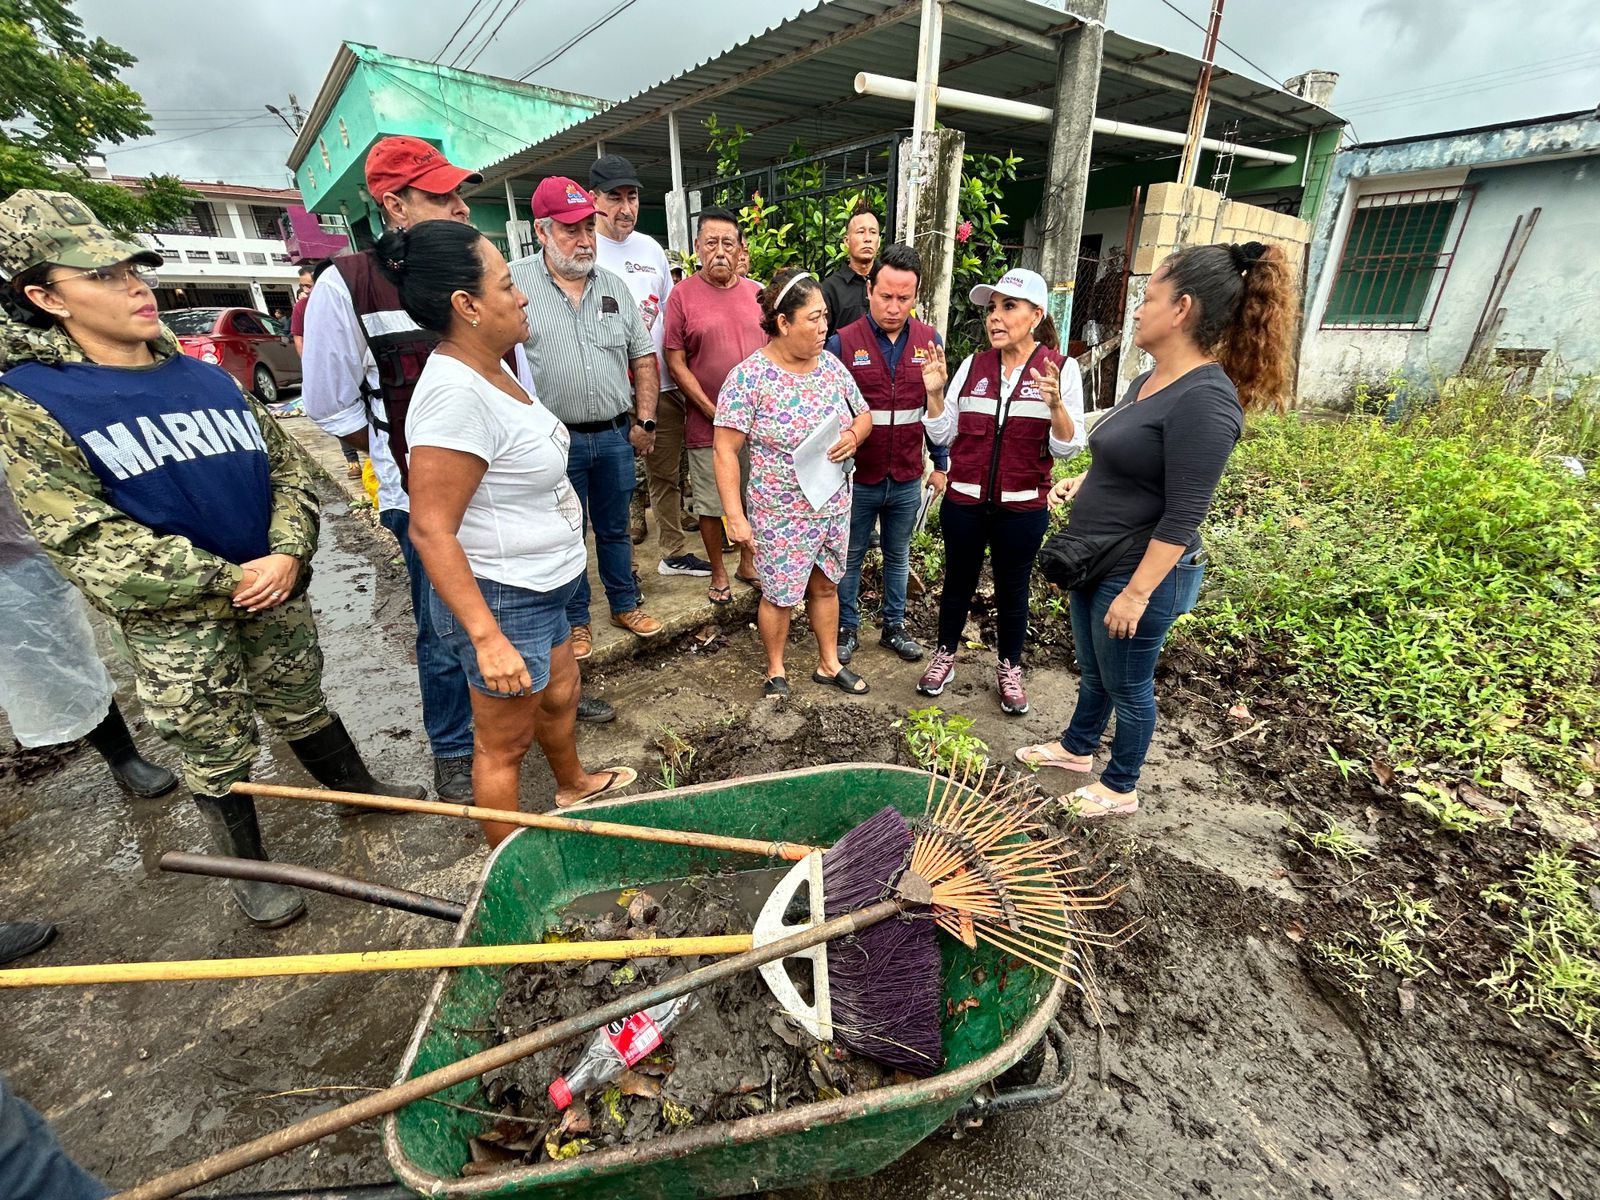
(1013, 414)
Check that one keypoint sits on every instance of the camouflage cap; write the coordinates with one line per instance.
(55, 227)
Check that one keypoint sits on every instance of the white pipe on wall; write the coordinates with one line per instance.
(868, 84)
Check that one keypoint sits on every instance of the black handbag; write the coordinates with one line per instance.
(1072, 562)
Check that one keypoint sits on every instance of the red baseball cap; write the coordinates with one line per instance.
(564, 199)
(395, 163)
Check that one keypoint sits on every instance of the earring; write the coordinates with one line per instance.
(474, 322)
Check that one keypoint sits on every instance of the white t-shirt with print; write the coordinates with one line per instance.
(524, 525)
(641, 261)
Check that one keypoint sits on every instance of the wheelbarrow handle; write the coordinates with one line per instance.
(313, 880)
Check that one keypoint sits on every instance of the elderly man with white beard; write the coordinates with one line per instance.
(585, 336)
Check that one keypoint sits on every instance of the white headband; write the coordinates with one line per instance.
(784, 290)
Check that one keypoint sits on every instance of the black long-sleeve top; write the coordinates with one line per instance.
(1157, 461)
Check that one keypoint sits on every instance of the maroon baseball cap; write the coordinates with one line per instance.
(396, 163)
(564, 199)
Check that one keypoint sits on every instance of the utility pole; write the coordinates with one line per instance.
(1202, 99)
(294, 118)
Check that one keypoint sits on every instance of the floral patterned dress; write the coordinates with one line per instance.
(777, 410)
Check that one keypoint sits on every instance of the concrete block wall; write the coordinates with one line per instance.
(1177, 216)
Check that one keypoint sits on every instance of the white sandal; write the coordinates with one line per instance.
(1088, 805)
(1051, 754)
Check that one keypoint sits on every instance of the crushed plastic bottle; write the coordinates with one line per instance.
(617, 1047)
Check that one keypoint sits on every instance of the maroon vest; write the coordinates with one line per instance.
(1011, 470)
(895, 447)
(398, 346)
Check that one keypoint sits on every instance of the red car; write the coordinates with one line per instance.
(249, 345)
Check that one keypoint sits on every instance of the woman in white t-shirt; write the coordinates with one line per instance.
(497, 525)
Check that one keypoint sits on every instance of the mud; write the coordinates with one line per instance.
(1232, 1063)
(734, 1055)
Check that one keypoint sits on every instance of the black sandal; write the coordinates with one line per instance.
(777, 688)
(846, 681)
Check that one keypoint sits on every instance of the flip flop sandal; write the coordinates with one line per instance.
(720, 595)
(1050, 754)
(777, 688)
(1091, 805)
(748, 580)
(846, 681)
(616, 778)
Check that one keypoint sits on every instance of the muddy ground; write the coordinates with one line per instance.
(1231, 1063)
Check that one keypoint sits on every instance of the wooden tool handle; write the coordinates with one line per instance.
(791, 851)
(372, 960)
(378, 1104)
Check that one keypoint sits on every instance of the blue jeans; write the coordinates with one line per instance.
(446, 702)
(894, 505)
(33, 1165)
(1120, 673)
(600, 469)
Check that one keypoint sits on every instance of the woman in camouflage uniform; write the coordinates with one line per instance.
(179, 509)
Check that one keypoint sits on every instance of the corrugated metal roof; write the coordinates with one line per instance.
(795, 81)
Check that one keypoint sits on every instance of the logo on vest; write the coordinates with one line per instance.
(981, 388)
(1028, 391)
(920, 354)
(132, 449)
(861, 359)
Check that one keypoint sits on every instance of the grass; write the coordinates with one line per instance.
(1553, 967)
(1332, 839)
(1395, 941)
(677, 756)
(1436, 580)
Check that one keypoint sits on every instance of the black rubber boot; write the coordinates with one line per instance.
(115, 744)
(23, 937)
(334, 762)
(231, 822)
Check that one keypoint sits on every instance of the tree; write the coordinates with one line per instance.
(60, 99)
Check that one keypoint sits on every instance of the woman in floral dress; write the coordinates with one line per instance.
(772, 402)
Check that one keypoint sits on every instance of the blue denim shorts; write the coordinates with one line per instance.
(534, 622)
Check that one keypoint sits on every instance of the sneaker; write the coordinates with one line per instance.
(582, 641)
(637, 622)
(902, 643)
(452, 778)
(1013, 699)
(352, 471)
(595, 711)
(683, 564)
(849, 643)
(939, 673)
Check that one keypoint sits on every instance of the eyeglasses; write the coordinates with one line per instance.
(116, 276)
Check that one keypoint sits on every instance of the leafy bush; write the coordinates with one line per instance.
(1437, 579)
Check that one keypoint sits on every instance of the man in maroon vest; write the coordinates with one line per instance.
(885, 351)
(363, 356)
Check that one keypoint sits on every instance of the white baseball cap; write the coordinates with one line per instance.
(1019, 283)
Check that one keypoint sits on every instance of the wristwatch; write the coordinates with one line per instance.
(648, 426)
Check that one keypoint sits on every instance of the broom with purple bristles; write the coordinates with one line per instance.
(978, 864)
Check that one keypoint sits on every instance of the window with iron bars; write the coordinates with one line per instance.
(266, 222)
(200, 221)
(1396, 256)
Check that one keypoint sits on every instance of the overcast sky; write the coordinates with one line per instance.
(1406, 66)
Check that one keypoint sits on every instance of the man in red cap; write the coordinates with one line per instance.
(594, 366)
(363, 356)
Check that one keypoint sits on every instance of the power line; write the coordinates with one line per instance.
(181, 138)
(569, 44)
(1466, 85)
(1270, 75)
(447, 108)
(516, 5)
(476, 4)
(482, 25)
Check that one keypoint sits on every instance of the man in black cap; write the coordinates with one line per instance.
(639, 259)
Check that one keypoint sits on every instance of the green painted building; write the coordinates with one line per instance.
(474, 119)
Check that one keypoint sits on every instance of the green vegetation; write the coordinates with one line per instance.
(1398, 934)
(944, 743)
(1332, 839)
(1436, 581)
(1553, 968)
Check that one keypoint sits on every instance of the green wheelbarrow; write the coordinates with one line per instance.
(535, 874)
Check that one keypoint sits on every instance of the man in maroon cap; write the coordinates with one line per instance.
(594, 366)
(363, 356)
